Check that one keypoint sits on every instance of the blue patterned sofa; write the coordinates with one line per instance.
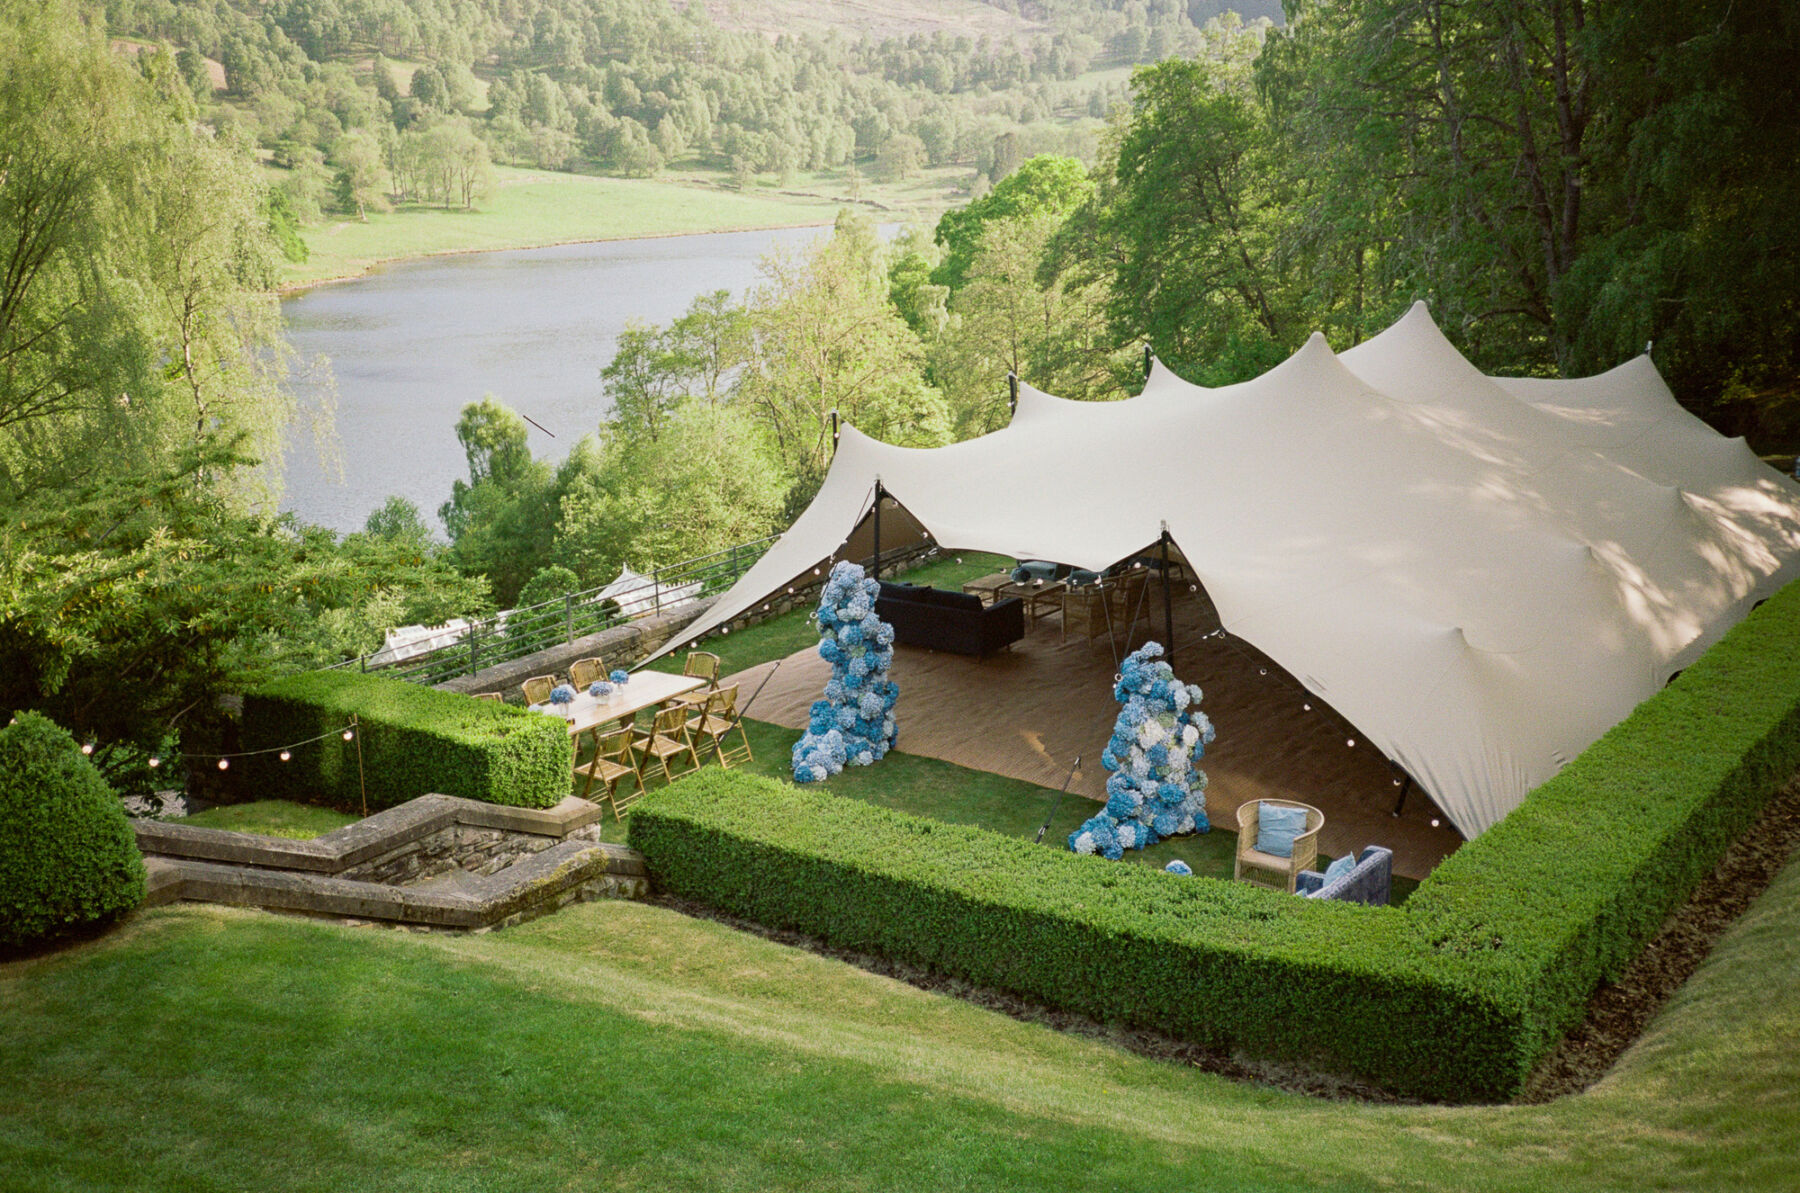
(1370, 882)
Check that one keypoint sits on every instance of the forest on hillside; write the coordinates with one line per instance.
(340, 91)
(1562, 183)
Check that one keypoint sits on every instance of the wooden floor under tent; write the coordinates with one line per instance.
(1028, 711)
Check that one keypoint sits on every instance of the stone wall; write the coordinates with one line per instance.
(629, 644)
(623, 646)
(436, 861)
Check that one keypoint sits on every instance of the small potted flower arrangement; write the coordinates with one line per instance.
(563, 696)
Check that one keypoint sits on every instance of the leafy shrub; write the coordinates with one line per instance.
(68, 857)
(1454, 996)
(414, 741)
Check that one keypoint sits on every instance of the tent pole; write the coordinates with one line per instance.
(879, 494)
(1168, 599)
(1012, 393)
(1405, 786)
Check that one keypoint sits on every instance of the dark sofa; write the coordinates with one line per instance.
(953, 621)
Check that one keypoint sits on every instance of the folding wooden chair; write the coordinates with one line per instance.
(583, 672)
(537, 688)
(668, 738)
(490, 696)
(703, 665)
(706, 722)
(614, 761)
(721, 718)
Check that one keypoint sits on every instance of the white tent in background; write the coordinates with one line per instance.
(1483, 575)
(637, 594)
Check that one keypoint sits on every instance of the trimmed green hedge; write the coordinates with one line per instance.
(1565, 891)
(414, 741)
(1332, 985)
(1453, 997)
(68, 857)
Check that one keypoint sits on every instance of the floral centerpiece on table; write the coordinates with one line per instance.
(854, 723)
(1156, 790)
(600, 689)
(620, 677)
(562, 693)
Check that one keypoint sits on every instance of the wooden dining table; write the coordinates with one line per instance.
(647, 689)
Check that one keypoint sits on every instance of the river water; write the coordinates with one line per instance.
(412, 343)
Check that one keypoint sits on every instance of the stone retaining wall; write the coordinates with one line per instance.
(626, 645)
(436, 861)
(623, 646)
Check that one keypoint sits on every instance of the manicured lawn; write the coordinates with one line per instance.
(1013, 807)
(538, 207)
(622, 1046)
(272, 818)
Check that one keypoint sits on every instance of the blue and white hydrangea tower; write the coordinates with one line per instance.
(854, 724)
(1156, 790)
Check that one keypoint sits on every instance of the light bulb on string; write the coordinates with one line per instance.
(1351, 742)
(87, 747)
(1306, 708)
(285, 755)
(348, 734)
(1262, 670)
(1434, 822)
(224, 764)
(155, 762)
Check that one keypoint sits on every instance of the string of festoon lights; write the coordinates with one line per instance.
(223, 761)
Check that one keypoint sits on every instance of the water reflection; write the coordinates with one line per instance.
(412, 343)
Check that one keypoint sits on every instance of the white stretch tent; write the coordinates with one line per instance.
(1483, 575)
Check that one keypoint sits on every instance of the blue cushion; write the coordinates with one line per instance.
(1020, 575)
(1034, 569)
(1276, 828)
(1079, 577)
(1339, 868)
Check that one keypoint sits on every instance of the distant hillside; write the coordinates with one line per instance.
(873, 18)
(1009, 20)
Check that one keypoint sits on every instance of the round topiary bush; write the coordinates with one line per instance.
(68, 857)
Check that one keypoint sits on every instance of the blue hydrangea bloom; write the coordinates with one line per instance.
(1156, 790)
(1179, 867)
(854, 724)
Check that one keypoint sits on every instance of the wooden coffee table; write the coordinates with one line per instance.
(1038, 596)
(988, 587)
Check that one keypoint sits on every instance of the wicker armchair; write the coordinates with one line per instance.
(1085, 611)
(1267, 867)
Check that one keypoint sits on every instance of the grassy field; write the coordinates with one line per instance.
(622, 1046)
(538, 207)
(272, 818)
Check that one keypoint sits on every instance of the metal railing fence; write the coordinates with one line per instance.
(516, 633)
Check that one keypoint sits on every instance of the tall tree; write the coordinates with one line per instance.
(1045, 185)
(1472, 121)
(1696, 245)
(828, 339)
(1186, 228)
